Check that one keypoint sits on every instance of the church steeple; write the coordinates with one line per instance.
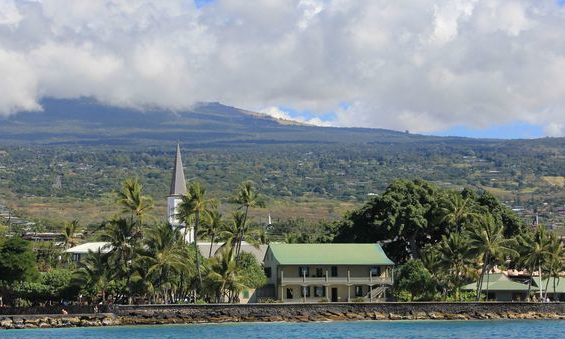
(178, 183)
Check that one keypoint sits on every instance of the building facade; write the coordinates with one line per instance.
(328, 272)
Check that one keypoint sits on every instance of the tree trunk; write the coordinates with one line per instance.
(413, 246)
(196, 220)
(480, 283)
(242, 231)
(530, 285)
(211, 245)
(488, 280)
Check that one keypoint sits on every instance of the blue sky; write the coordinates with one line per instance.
(515, 130)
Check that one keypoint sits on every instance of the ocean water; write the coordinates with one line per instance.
(522, 329)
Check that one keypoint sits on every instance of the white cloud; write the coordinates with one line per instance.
(278, 113)
(417, 65)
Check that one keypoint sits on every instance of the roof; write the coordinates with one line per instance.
(92, 246)
(499, 282)
(559, 284)
(178, 183)
(329, 254)
(258, 253)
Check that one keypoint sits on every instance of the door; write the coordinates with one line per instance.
(334, 294)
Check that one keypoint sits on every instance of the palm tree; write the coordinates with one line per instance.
(457, 210)
(164, 256)
(533, 251)
(556, 261)
(487, 242)
(93, 272)
(133, 202)
(194, 204)
(69, 234)
(123, 238)
(454, 254)
(213, 226)
(224, 274)
(247, 196)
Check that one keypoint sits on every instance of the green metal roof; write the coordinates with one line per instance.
(559, 284)
(329, 254)
(499, 282)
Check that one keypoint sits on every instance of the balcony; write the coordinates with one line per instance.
(306, 281)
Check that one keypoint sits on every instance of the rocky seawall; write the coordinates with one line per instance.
(220, 313)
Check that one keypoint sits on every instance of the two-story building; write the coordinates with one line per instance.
(328, 272)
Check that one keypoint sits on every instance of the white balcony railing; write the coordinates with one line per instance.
(335, 280)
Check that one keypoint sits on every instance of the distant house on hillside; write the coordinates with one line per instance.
(328, 272)
(80, 252)
(43, 236)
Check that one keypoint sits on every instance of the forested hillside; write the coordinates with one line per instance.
(71, 155)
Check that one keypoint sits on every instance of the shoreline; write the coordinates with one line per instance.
(129, 315)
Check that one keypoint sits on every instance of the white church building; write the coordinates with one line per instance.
(178, 189)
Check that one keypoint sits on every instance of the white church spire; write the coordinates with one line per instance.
(178, 189)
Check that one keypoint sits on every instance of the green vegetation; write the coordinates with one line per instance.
(444, 239)
(143, 262)
(17, 261)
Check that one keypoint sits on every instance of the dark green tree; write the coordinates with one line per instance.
(414, 278)
(17, 261)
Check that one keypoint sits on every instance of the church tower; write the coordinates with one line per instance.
(178, 189)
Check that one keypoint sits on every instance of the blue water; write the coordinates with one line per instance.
(534, 329)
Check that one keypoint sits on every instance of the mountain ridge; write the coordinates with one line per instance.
(85, 121)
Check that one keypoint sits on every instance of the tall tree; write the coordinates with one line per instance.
(93, 273)
(213, 224)
(247, 196)
(223, 275)
(406, 214)
(534, 249)
(133, 202)
(165, 257)
(555, 261)
(69, 232)
(123, 237)
(487, 242)
(454, 254)
(456, 210)
(195, 204)
(17, 261)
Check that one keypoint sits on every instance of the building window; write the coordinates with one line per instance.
(304, 271)
(268, 272)
(358, 291)
(289, 293)
(245, 294)
(305, 291)
(76, 257)
(319, 291)
(334, 271)
(319, 272)
(375, 271)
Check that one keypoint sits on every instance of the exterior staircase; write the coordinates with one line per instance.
(378, 292)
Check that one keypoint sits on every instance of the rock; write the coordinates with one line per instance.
(44, 325)
(393, 316)
(379, 316)
(6, 323)
(352, 315)
(74, 321)
(435, 315)
(33, 321)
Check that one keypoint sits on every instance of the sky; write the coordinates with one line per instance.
(482, 68)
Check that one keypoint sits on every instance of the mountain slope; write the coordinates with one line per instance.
(211, 124)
